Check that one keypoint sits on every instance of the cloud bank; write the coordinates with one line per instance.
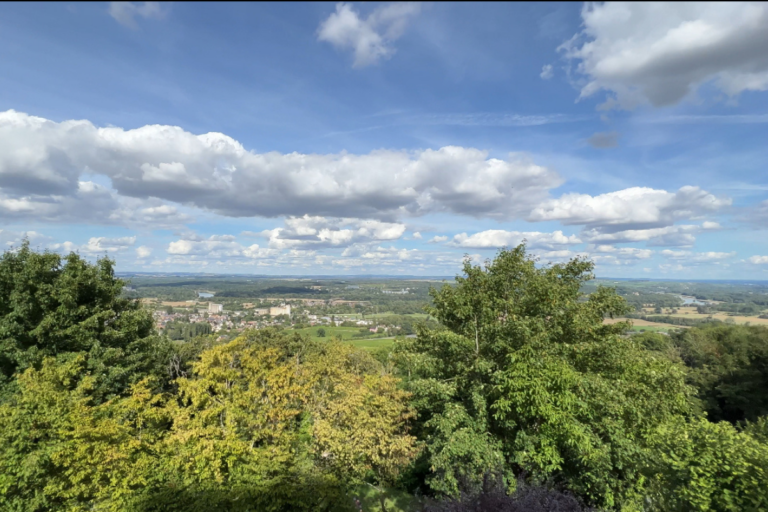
(44, 159)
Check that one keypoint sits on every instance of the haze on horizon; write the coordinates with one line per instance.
(388, 138)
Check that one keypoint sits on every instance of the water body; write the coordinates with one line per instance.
(204, 295)
(691, 301)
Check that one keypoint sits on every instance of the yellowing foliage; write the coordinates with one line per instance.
(360, 419)
(252, 427)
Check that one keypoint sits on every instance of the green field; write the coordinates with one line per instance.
(420, 316)
(347, 334)
(372, 344)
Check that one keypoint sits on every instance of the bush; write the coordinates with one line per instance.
(703, 466)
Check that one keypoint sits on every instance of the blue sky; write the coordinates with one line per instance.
(354, 138)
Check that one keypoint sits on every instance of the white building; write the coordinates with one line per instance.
(280, 310)
(215, 308)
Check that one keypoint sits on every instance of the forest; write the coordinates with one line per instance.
(516, 397)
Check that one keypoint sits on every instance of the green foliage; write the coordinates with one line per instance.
(270, 421)
(728, 365)
(705, 466)
(526, 379)
(521, 380)
(186, 331)
(50, 307)
(321, 333)
(59, 451)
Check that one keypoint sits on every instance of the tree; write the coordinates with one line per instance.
(59, 451)
(703, 466)
(51, 306)
(728, 366)
(321, 332)
(525, 379)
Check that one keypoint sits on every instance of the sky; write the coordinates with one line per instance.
(387, 138)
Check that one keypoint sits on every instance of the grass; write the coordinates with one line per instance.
(347, 334)
(373, 344)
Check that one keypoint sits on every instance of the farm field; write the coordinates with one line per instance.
(691, 312)
(372, 344)
(346, 334)
(639, 325)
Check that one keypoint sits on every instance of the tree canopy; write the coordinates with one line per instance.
(526, 379)
(521, 397)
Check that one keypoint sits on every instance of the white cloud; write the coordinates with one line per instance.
(758, 260)
(660, 52)
(697, 257)
(97, 245)
(493, 238)
(370, 39)
(214, 172)
(126, 12)
(315, 231)
(547, 72)
(143, 251)
(682, 235)
(631, 208)
(438, 239)
(64, 247)
(90, 203)
(371, 256)
(624, 252)
(416, 235)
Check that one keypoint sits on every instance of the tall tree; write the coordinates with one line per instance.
(51, 306)
(526, 379)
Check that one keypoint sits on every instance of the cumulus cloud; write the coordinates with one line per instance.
(610, 255)
(438, 239)
(91, 203)
(631, 208)
(494, 238)
(214, 172)
(143, 251)
(416, 235)
(547, 72)
(758, 260)
(217, 246)
(316, 232)
(370, 39)
(102, 244)
(682, 235)
(126, 13)
(370, 255)
(697, 257)
(661, 52)
(97, 245)
(604, 140)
